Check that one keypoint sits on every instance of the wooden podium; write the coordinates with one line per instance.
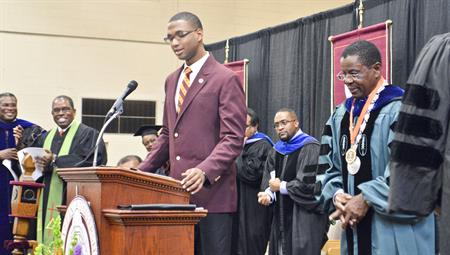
(161, 232)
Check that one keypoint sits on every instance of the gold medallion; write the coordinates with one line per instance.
(350, 155)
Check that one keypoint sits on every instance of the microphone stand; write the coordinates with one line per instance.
(117, 111)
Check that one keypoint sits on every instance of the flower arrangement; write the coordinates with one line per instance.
(55, 247)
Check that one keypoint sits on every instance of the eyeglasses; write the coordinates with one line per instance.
(282, 123)
(178, 35)
(354, 76)
(63, 110)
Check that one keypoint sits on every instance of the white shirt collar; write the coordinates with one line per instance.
(198, 64)
(299, 132)
(64, 130)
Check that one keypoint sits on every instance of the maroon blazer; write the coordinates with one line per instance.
(208, 133)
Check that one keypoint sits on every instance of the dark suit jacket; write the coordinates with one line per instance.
(207, 133)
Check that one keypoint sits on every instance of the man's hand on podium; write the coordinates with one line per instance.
(193, 180)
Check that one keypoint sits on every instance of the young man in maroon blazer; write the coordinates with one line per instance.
(203, 132)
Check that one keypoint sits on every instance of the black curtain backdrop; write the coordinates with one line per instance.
(290, 63)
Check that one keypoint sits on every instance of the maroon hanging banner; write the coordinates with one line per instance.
(378, 34)
(240, 68)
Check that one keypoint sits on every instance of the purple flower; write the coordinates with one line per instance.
(77, 250)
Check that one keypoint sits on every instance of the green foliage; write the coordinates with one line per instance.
(56, 243)
(56, 226)
(73, 243)
(42, 249)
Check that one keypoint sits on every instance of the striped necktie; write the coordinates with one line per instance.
(184, 87)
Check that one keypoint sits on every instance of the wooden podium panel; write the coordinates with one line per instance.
(153, 232)
(107, 187)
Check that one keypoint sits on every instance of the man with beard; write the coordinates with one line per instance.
(253, 219)
(15, 134)
(354, 159)
(289, 184)
(72, 145)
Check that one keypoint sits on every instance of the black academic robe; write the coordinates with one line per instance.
(298, 224)
(253, 219)
(31, 136)
(81, 154)
(420, 164)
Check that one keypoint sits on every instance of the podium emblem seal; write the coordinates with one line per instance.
(79, 221)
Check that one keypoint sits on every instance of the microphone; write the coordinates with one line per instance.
(115, 111)
(132, 85)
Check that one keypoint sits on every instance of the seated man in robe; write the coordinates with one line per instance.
(289, 184)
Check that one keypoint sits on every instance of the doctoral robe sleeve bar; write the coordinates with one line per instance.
(302, 188)
(328, 171)
(421, 141)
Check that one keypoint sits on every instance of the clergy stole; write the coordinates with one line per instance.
(44, 226)
(363, 228)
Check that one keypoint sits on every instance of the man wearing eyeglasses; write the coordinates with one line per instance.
(202, 133)
(289, 185)
(354, 159)
(70, 144)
